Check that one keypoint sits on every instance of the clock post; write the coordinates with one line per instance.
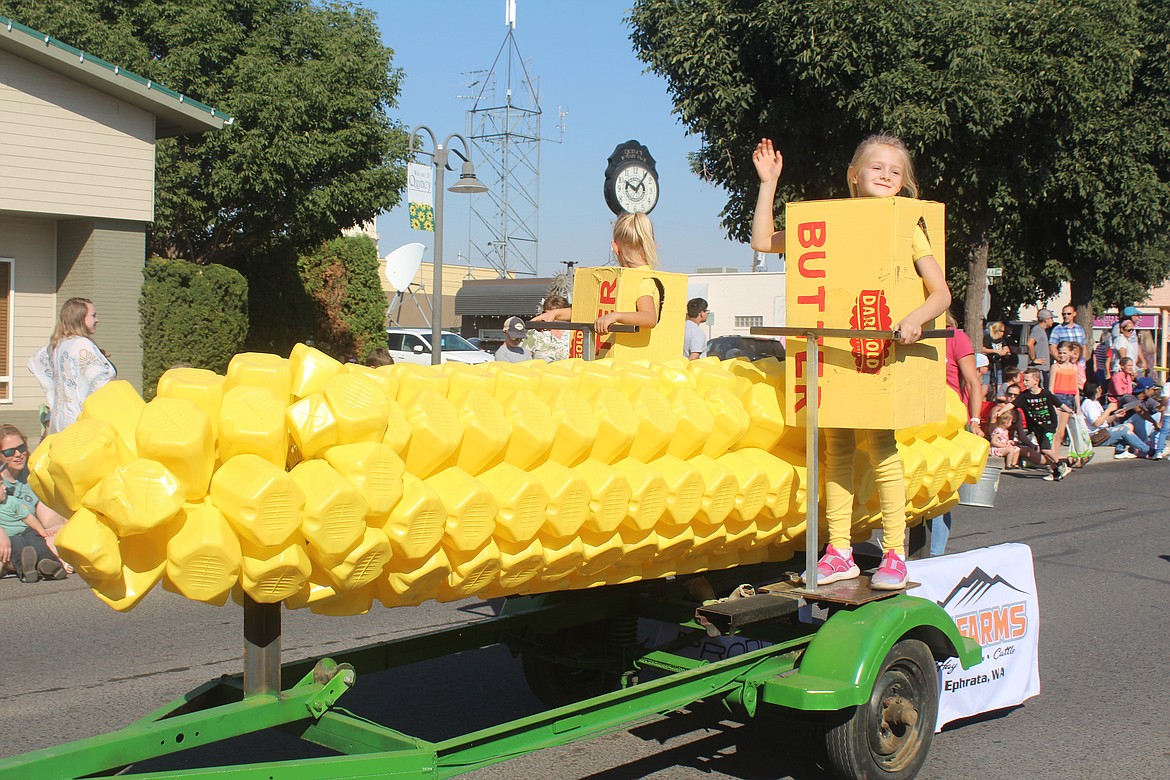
(631, 180)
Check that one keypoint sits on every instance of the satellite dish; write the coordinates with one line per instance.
(402, 264)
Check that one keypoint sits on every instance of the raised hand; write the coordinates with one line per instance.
(769, 162)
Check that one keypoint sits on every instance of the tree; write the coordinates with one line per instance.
(341, 278)
(993, 96)
(311, 151)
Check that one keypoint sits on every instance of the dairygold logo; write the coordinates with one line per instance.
(871, 312)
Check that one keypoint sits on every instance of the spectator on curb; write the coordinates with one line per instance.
(1121, 346)
(1067, 330)
(1040, 410)
(998, 347)
(550, 345)
(1038, 354)
(694, 340)
(1106, 426)
(379, 356)
(27, 526)
(1103, 359)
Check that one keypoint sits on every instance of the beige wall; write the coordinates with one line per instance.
(453, 278)
(102, 260)
(31, 244)
(67, 149)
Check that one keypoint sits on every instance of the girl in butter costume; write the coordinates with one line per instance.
(634, 246)
(881, 168)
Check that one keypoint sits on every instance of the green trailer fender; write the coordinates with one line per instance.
(841, 663)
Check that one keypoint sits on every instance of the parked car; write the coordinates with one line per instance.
(750, 347)
(413, 345)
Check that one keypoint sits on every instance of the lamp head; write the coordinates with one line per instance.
(468, 184)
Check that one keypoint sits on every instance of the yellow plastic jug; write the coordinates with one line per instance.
(90, 546)
(561, 557)
(720, 492)
(764, 404)
(363, 564)
(522, 502)
(81, 456)
(617, 425)
(260, 369)
(753, 489)
(360, 406)
(684, 489)
(520, 562)
(533, 430)
(144, 559)
(414, 379)
(471, 571)
(312, 425)
(462, 378)
(731, 421)
(695, 423)
(376, 472)
(576, 427)
(398, 430)
(334, 517)
(416, 523)
(137, 497)
(177, 433)
(485, 431)
(204, 387)
(204, 556)
(272, 574)
(436, 433)
(568, 499)
(310, 369)
(251, 421)
(471, 512)
(406, 582)
(610, 497)
(118, 404)
(657, 424)
(261, 501)
(648, 492)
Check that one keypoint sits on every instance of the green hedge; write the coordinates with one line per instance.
(194, 315)
(341, 278)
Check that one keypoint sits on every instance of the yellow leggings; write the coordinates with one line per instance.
(840, 447)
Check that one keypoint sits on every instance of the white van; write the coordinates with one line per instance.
(413, 345)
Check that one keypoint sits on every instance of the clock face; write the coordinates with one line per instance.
(636, 189)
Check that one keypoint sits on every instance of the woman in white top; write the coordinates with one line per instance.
(71, 366)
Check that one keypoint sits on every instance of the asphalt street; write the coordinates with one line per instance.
(74, 668)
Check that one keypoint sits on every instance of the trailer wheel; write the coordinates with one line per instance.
(888, 737)
(581, 669)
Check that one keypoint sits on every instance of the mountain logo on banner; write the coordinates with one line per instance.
(973, 587)
(1001, 622)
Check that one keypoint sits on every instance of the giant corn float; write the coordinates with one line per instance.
(328, 486)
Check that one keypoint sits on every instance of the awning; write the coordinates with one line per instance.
(501, 297)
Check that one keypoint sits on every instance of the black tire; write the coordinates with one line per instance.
(582, 670)
(888, 737)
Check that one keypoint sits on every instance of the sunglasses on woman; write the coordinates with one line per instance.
(8, 453)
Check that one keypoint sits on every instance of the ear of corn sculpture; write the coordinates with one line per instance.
(328, 486)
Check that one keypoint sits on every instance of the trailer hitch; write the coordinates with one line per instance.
(335, 680)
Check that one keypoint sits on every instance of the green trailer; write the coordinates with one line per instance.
(863, 662)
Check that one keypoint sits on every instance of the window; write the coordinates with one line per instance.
(749, 322)
(5, 329)
(413, 343)
(394, 341)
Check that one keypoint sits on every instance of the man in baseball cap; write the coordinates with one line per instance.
(1038, 354)
(513, 350)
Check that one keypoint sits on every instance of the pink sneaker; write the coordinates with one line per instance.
(834, 566)
(891, 575)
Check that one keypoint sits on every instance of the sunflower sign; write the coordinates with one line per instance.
(420, 194)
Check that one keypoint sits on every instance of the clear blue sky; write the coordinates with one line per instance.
(583, 57)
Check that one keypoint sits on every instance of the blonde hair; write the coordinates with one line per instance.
(634, 234)
(909, 180)
(71, 321)
(993, 327)
(1004, 416)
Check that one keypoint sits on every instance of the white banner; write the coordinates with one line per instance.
(991, 594)
(420, 196)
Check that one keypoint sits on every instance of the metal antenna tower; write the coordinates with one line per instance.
(506, 138)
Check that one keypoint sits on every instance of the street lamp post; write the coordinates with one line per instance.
(468, 184)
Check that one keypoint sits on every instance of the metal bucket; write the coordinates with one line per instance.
(982, 493)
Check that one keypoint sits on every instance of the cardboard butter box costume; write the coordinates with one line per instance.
(851, 265)
(598, 291)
